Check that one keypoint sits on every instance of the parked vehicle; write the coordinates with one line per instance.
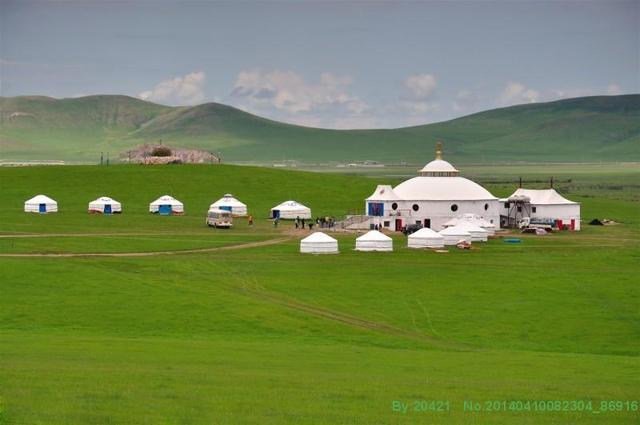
(528, 225)
(411, 228)
(219, 218)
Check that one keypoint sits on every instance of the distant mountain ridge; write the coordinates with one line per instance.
(598, 128)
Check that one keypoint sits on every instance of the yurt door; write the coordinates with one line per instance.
(42, 208)
(164, 209)
(276, 214)
(107, 209)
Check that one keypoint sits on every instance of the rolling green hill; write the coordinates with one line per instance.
(603, 128)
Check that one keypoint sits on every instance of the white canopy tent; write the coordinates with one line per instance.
(229, 203)
(547, 205)
(474, 219)
(41, 204)
(166, 205)
(290, 210)
(319, 243)
(105, 205)
(478, 234)
(454, 234)
(374, 241)
(425, 238)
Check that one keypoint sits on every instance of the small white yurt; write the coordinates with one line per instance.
(289, 210)
(41, 204)
(105, 205)
(374, 241)
(478, 234)
(454, 234)
(166, 205)
(475, 219)
(229, 203)
(319, 243)
(425, 238)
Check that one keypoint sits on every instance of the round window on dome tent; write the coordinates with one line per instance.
(394, 206)
(415, 207)
(454, 207)
(486, 207)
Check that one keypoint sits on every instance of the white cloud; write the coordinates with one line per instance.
(614, 89)
(515, 93)
(289, 92)
(421, 86)
(186, 90)
(465, 100)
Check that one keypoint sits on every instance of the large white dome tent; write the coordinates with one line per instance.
(319, 243)
(374, 241)
(425, 238)
(105, 205)
(166, 205)
(229, 203)
(454, 234)
(432, 198)
(41, 204)
(290, 210)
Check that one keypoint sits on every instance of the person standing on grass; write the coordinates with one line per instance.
(275, 222)
(302, 222)
(250, 220)
(297, 222)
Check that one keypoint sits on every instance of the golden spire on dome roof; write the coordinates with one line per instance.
(439, 150)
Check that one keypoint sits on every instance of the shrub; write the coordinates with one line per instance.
(161, 151)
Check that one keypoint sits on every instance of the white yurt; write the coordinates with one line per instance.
(478, 234)
(41, 204)
(425, 238)
(454, 234)
(474, 219)
(166, 205)
(105, 205)
(229, 203)
(374, 241)
(289, 210)
(319, 243)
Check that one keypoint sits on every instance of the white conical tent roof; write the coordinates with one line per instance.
(33, 204)
(99, 204)
(229, 202)
(292, 210)
(425, 238)
(176, 206)
(542, 197)
(319, 243)
(478, 234)
(454, 234)
(374, 241)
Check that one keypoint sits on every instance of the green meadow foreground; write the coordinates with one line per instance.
(247, 330)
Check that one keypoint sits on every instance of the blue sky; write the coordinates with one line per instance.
(328, 64)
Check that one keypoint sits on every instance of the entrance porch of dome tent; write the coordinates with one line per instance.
(42, 208)
(164, 210)
(275, 213)
(107, 209)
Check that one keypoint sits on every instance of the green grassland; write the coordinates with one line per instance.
(267, 335)
(602, 128)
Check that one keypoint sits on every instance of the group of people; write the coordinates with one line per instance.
(301, 223)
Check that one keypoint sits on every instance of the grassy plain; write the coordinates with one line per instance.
(267, 335)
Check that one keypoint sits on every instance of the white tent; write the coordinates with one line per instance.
(229, 203)
(548, 205)
(374, 241)
(105, 205)
(319, 243)
(478, 234)
(290, 210)
(41, 204)
(454, 234)
(425, 238)
(474, 219)
(166, 205)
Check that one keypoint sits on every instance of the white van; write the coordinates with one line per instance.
(219, 218)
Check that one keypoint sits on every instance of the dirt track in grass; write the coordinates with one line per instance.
(149, 253)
